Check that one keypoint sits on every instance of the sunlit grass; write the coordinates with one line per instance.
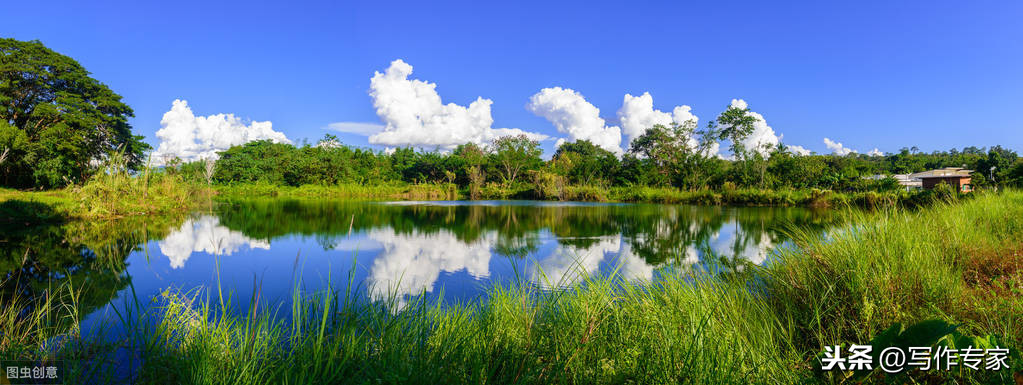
(596, 331)
(586, 193)
(112, 192)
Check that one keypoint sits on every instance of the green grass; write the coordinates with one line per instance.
(599, 333)
(760, 197)
(115, 194)
(638, 194)
(397, 191)
(958, 261)
(108, 194)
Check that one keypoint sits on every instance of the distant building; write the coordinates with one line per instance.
(905, 180)
(957, 177)
(908, 181)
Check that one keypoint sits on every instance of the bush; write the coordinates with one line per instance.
(547, 185)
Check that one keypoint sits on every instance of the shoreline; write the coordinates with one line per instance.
(80, 203)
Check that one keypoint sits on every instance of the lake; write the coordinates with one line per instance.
(387, 251)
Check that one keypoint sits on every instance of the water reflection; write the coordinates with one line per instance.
(455, 248)
(412, 263)
(53, 260)
(204, 234)
(571, 261)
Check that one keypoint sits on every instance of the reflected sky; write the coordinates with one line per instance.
(396, 261)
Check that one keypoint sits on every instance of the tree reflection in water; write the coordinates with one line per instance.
(559, 242)
(48, 260)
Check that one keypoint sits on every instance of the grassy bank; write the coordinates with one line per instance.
(755, 197)
(398, 191)
(636, 194)
(105, 195)
(115, 194)
(959, 263)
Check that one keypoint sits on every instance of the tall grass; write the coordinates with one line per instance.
(599, 331)
(760, 197)
(28, 324)
(112, 192)
(950, 262)
(765, 327)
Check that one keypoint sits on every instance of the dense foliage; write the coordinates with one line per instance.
(662, 157)
(56, 121)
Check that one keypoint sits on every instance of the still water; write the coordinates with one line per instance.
(447, 250)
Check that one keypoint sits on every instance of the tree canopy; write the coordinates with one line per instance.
(584, 162)
(681, 153)
(56, 120)
(514, 153)
(735, 125)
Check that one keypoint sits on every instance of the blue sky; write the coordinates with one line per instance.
(884, 75)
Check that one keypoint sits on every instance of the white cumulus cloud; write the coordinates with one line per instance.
(875, 152)
(569, 264)
(638, 115)
(190, 137)
(798, 150)
(737, 246)
(633, 267)
(837, 148)
(571, 114)
(414, 115)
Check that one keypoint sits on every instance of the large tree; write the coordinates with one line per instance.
(513, 154)
(679, 151)
(585, 162)
(735, 124)
(56, 120)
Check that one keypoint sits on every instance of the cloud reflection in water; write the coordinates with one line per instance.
(204, 234)
(409, 263)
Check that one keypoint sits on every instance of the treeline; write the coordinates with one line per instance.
(512, 161)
